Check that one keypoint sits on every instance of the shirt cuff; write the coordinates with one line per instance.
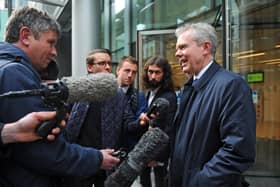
(1, 127)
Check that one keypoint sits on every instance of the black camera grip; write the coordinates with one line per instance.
(46, 127)
(121, 153)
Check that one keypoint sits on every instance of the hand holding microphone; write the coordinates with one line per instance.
(151, 144)
(109, 160)
(147, 149)
(158, 107)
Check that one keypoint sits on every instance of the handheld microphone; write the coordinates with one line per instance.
(148, 148)
(159, 108)
(159, 105)
(56, 94)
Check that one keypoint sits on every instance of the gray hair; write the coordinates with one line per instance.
(201, 32)
(37, 21)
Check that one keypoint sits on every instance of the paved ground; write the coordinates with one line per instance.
(136, 183)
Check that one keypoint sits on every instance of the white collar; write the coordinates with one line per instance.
(195, 77)
(124, 89)
(153, 92)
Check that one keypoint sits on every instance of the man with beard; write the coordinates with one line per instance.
(158, 83)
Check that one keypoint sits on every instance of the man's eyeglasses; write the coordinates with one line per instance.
(103, 63)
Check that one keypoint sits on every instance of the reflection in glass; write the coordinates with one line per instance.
(255, 43)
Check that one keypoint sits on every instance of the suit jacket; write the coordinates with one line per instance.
(137, 101)
(117, 119)
(215, 139)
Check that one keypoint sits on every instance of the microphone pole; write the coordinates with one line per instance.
(24, 93)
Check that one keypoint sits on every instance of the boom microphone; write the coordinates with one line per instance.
(93, 87)
(148, 148)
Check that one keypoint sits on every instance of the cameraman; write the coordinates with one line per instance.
(31, 36)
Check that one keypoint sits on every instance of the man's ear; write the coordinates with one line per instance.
(207, 47)
(117, 71)
(89, 68)
(24, 36)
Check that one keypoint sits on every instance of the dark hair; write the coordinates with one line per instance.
(37, 21)
(129, 59)
(51, 72)
(89, 58)
(161, 62)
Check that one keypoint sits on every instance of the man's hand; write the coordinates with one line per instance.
(24, 129)
(108, 161)
(144, 119)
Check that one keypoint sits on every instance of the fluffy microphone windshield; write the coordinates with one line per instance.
(148, 148)
(159, 105)
(93, 87)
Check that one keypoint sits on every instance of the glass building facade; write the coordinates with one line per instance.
(249, 44)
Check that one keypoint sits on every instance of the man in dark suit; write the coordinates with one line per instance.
(100, 124)
(216, 125)
(158, 83)
(126, 74)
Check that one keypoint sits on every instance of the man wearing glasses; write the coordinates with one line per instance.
(100, 124)
(99, 60)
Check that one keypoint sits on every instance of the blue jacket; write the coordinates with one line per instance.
(141, 104)
(138, 104)
(215, 141)
(36, 163)
(117, 119)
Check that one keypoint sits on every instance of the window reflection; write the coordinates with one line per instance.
(255, 43)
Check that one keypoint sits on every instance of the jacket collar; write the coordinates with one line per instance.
(206, 77)
(16, 54)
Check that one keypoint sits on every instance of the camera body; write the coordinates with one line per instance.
(54, 95)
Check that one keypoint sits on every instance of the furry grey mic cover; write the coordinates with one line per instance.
(149, 147)
(92, 87)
